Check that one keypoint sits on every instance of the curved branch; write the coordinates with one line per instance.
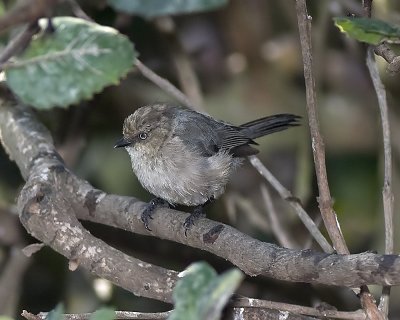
(48, 216)
(29, 144)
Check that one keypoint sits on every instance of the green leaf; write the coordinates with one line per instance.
(367, 30)
(103, 314)
(201, 294)
(76, 61)
(154, 8)
(5, 318)
(57, 313)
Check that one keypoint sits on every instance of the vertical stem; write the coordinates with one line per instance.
(324, 199)
(387, 193)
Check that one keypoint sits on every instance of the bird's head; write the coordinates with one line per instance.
(146, 129)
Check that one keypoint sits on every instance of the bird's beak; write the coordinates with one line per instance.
(123, 142)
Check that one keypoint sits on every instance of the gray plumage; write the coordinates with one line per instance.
(186, 157)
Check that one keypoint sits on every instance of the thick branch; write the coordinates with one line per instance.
(47, 215)
(30, 145)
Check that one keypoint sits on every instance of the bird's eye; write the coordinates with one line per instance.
(143, 135)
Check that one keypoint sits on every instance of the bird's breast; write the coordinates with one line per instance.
(181, 176)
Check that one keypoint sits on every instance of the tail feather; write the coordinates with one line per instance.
(267, 125)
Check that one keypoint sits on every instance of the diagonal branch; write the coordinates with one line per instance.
(17, 44)
(164, 84)
(295, 203)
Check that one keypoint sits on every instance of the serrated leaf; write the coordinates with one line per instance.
(76, 61)
(367, 30)
(103, 314)
(57, 313)
(154, 8)
(201, 294)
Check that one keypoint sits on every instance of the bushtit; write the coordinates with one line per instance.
(185, 157)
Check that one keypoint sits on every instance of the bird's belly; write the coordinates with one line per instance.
(180, 181)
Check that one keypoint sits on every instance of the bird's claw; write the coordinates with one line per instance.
(189, 222)
(147, 213)
(146, 216)
(194, 216)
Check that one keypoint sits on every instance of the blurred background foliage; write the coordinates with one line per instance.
(248, 61)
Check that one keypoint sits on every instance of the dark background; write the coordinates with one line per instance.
(248, 61)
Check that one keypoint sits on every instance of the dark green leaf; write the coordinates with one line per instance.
(154, 8)
(57, 313)
(201, 294)
(371, 31)
(103, 314)
(76, 61)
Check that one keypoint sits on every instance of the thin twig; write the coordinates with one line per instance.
(324, 200)
(286, 195)
(276, 226)
(296, 309)
(18, 43)
(387, 192)
(164, 84)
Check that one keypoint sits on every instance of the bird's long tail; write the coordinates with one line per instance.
(267, 125)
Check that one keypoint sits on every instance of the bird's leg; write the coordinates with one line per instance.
(194, 216)
(198, 212)
(149, 210)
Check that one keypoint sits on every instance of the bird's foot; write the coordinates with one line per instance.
(149, 210)
(194, 216)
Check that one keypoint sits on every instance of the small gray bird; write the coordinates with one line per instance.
(185, 157)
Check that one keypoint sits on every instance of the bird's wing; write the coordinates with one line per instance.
(209, 136)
